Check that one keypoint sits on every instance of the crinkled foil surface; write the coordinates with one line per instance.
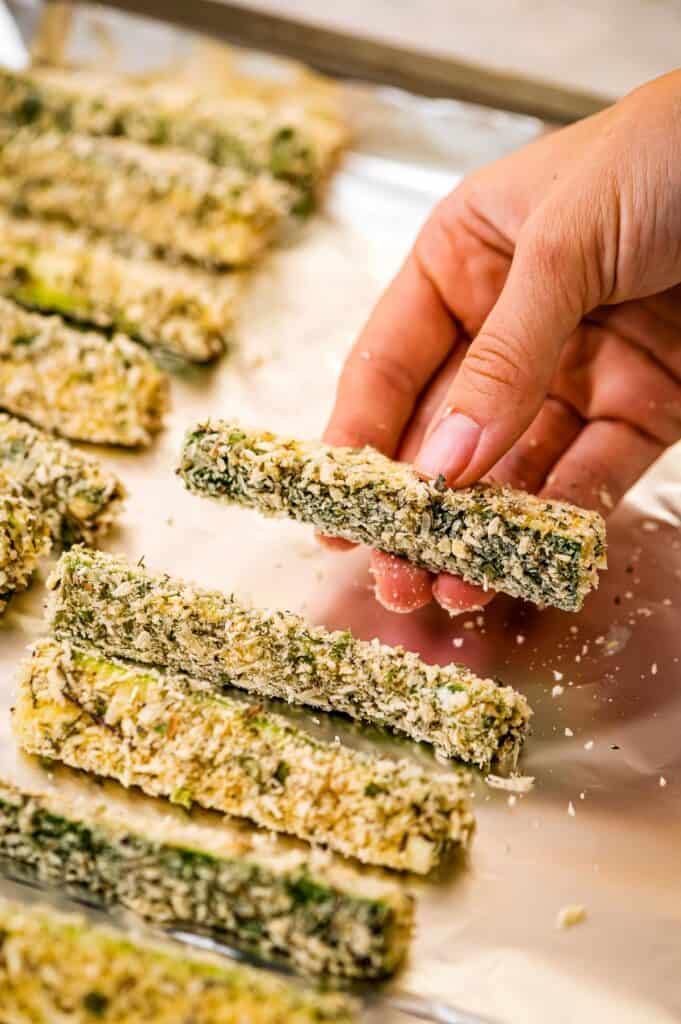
(602, 827)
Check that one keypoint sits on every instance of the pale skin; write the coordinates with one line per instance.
(533, 334)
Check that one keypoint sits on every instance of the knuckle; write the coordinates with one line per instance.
(392, 377)
(440, 235)
(564, 253)
(545, 247)
(495, 361)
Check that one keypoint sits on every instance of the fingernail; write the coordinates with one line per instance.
(458, 597)
(449, 448)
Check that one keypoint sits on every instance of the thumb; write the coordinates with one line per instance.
(508, 368)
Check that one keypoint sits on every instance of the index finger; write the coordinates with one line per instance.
(408, 335)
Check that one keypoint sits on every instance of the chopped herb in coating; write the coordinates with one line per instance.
(126, 611)
(547, 552)
(186, 311)
(318, 918)
(79, 384)
(58, 967)
(24, 539)
(101, 716)
(75, 495)
(170, 202)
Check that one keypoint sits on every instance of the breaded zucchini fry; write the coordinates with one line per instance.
(547, 552)
(24, 539)
(59, 967)
(79, 384)
(174, 737)
(158, 620)
(171, 202)
(183, 310)
(309, 913)
(76, 496)
(241, 131)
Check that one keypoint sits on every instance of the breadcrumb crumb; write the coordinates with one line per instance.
(571, 915)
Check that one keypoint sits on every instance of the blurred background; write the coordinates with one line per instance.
(584, 53)
(602, 46)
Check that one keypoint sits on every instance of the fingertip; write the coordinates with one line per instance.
(457, 597)
(399, 586)
(333, 543)
(449, 447)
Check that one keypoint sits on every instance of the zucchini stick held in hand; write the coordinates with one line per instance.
(547, 552)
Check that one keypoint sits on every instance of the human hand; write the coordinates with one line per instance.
(533, 335)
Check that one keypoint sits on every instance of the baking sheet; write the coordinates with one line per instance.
(486, 937)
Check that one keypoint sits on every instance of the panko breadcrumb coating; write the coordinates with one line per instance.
(24, 539)
(60, 967)
(172, 737)
(284, 139)
(185, 310)
(79, 384)
(547, 552)
(172, 202)
(77, 497)
(128, 612)
(305, 911)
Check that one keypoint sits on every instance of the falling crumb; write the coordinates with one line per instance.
(589, 745)
(571, 915)
(512, 800)
(653, 669)
(568, 732)
(469, 624)
(582, 795)
(574, 630)
(513, 784)
(458, 641)
(479, 620)
(557, 690)
(571, 809)
(663, 782)
(520, 639)
(667, 602)
(557, 675)
(649, 526)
